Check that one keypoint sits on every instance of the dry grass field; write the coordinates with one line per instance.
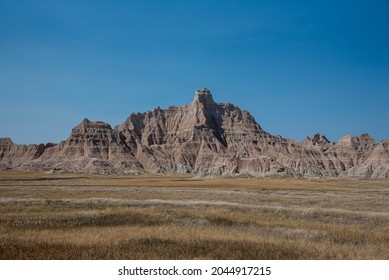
(45, 216)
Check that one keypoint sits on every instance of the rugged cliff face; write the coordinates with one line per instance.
(203, 138)
(93, 147)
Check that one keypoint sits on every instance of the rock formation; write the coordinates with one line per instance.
(203, 138)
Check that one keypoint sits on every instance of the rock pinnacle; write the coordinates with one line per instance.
(203, 97)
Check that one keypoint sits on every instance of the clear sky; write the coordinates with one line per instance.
(299, 67)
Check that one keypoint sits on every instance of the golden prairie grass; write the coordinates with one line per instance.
(71, 216)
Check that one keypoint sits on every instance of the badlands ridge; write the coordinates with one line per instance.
(203, 138)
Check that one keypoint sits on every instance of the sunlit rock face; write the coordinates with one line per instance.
(203, 138)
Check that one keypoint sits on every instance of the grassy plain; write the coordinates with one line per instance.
(45, 216)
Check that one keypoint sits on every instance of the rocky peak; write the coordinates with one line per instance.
(347, 139)
(316, 140)
(204, 97)
(365, 139)
(6, 141)
(86, 126)
(319, 139)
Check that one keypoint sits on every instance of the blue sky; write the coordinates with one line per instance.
(299, 67)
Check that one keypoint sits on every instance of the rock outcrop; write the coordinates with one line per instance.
(203, 138)
(93, 147)
(13, 155)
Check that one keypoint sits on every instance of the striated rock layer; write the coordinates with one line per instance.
(204, 138)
